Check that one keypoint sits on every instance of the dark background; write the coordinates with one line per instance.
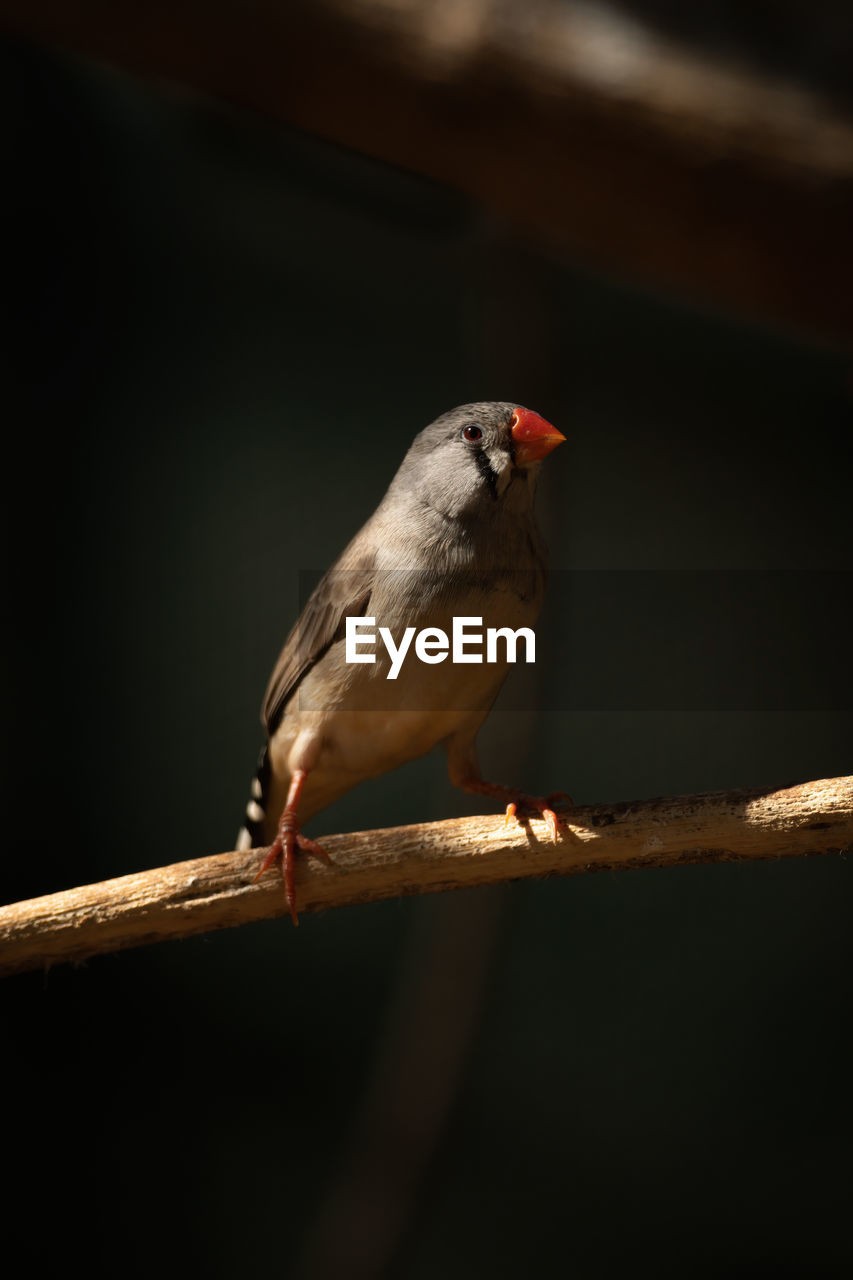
(223, 337)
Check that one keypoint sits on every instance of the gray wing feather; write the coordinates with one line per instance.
(344, 591)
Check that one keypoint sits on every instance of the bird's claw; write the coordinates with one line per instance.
(536, 805)
(551, 818)
(288, 840)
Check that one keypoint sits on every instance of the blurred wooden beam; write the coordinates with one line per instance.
(596, 136)
(366, 866)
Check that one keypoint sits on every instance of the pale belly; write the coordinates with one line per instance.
(348, 722)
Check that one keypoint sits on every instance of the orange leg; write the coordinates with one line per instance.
(514, 799)
(288, 840)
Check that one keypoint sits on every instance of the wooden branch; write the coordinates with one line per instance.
(218, 892)
(589, 130)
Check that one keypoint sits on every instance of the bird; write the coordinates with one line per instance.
(455, 536)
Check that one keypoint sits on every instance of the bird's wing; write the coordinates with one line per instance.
(344, 591)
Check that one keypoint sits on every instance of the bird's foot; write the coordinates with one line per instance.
(540, 805)
(287, 841)
(543, 806)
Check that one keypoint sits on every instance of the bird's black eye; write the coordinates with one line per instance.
(472, 433)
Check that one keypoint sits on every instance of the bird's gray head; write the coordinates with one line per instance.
(476, 457)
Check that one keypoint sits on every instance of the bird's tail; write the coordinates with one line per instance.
(251, 834)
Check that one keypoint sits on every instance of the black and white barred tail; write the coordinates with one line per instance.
(251, 834)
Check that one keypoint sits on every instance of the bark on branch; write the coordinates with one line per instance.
(217, 892)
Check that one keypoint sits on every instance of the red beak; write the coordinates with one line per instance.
(534, 438)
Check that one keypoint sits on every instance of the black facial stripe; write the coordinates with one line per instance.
(487, 471)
